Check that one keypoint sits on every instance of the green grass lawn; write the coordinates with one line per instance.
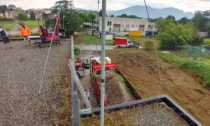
(29, 23)
(93, 40)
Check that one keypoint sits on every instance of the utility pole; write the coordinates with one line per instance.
(103, 60)
(98, 24)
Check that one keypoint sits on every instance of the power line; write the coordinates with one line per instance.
(48, 55)
(160, 78)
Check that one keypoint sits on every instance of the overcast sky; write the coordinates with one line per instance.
(185, 5)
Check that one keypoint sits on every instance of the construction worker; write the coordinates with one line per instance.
(87, 94)
(5, 37)
(25, 32)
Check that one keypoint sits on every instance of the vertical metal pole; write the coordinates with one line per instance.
(72, 57)
(103, 60)
(98, 23)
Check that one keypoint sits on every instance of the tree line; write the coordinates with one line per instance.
(173, 34)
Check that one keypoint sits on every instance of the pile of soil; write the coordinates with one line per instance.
(115, 92)
(15, 27)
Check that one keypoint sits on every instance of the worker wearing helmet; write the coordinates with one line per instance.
(25, 32)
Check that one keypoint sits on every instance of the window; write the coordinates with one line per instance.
(137, 26)
(132, 26)
(150, 27)
(109, 23)
(127, 26)
(122, 25)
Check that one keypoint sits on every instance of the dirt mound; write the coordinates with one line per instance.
(183, 86)
(115, 91)
(15, 27)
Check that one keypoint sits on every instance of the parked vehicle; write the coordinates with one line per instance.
(112, 32)
(85, 62)
(95, 65)
(47, 34)
(79, 69)
(123, 42)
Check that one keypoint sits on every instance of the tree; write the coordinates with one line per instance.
(153, 20)
(32, 16)
(3, 9)
(111, 16)
(183, 20)
(174, 36)
(161, 23)
(71, 21)
(22, 17)
(54, 11)
(170, 17)
(200, 21)
(100, 13)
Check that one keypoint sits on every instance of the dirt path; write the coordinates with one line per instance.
(184, 87)
(21, 69)
(86, 83)
(86, 80)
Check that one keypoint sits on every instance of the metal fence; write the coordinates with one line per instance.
(76, 84)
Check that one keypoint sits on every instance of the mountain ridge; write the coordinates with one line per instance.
(140, 11)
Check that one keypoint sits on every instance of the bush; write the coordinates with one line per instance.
(20, 23)
(207, 42)
(22, 17)
(76, 51)
(149, 45)
(34, 34)
(6, 19)
(174, 36)
(17, 36)
(197, 40)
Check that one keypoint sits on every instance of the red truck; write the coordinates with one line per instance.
(124, 42)
(95, 67)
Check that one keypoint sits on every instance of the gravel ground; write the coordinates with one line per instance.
(21, 69)
(158, 114)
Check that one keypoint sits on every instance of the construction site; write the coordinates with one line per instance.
(55, 80)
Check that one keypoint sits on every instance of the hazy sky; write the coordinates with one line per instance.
(185, 5)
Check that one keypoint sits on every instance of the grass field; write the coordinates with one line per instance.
(30, 24)
(92, 40)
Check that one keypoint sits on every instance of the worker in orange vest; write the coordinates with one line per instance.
(25, 32)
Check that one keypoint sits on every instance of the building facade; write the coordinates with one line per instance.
(118, 24)
(1, 15)
(10, 14)
(19, 9)
(11, 7)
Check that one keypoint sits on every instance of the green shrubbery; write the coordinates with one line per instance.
(76, 51)
(149, 45)
(196, 41)
(123, 82)
(207, 42)
(6, 19)
(174, 36)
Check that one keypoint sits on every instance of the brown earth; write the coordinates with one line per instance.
(181, 85)
(115, 93)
